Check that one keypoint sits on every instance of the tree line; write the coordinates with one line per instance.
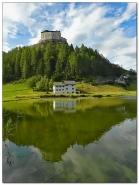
(57, 62)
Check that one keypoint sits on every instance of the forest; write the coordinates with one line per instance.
(57, 62)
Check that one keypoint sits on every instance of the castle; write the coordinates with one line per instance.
(52, 36)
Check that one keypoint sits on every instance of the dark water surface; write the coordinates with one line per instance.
(84, 140)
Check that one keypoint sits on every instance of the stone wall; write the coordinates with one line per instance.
(52, 36)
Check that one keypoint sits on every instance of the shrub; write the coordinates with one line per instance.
(108, 95)
(97, 95)
(82, 95)
(62, 95)
(44, 84)
(32, 82)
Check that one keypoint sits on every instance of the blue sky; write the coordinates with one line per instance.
(108, 27)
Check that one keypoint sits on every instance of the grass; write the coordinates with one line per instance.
(87, 88)
(18, 91)
(105, 90)
(13, 92)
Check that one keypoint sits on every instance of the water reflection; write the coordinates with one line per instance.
(6, 133)
(10, 159)
(56, 134)
(66, 106)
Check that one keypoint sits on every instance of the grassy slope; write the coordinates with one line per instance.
(87, 88)
(105, 89)
(21, 91)
(17, 91)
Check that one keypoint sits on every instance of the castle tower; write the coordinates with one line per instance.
(52, 36)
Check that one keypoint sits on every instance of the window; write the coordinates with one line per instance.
(59, 89)
(73, 88)
(72, 92)
(66, 88)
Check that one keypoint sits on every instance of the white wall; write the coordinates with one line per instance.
(120, 81)
(61, 89)
(46, 35)
(70, 89)
(56, 35)
(58, 89)
(50, 35)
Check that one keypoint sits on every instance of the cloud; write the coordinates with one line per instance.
(130, 11)
(50, 4)
(18, 13)
(14, 15)
(57, 24)
(6, 47)
(20, 45)
(119, 49)
(35, 39)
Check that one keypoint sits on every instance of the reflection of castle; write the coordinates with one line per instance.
(67, 106)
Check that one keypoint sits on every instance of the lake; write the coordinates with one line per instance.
(75, 140)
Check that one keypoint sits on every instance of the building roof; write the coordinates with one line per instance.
(65, 83)
(49, 31)
(58, 83)
(69, 82)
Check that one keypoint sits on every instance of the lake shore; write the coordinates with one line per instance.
(65, 96)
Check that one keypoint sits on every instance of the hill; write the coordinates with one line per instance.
(57, 62)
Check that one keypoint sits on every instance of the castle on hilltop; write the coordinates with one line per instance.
(52, 36)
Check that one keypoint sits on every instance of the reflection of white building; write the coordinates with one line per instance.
(67, 106)
(121, 109)
(67, 87)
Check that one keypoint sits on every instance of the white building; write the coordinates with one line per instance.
(65, 87)
(120, 81)
(125, 76)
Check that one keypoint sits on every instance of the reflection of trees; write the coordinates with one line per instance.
(8, 127)
(46, 156)
(54, 134)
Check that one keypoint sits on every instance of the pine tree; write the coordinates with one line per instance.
(33, 61)
(51, 84)
(17, 64)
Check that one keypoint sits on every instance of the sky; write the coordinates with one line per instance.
(108, 27)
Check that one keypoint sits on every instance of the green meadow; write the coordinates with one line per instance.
(21, 91)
